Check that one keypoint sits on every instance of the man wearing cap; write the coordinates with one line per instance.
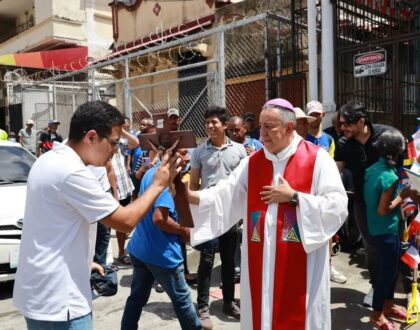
(293, 207)
(253, 130)
(318, 137)
(48, 137)
(174, 120)
(315, 134)
(27, 136)
(302, 122)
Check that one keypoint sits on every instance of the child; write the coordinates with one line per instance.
(380, 189)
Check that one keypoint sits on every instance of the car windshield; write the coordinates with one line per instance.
(15, 164)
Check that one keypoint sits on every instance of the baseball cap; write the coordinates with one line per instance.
(173, 112)
(314, 107)
(249, 116)
(301, 115)
(29, 122)
(283, 103)
(53, 121)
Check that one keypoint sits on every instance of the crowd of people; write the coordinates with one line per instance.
(287, 177)
(35, 141)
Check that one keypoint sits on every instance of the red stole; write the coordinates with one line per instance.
(289, 296)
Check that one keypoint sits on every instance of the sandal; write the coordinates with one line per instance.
(388, 325)
(125, 259)
(398, 314)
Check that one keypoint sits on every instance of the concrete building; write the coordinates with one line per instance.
(317, 62)
(37, 35)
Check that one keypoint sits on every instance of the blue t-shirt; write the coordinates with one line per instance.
(325, 141)
(149, 243)
(135, 154)
(253, 143)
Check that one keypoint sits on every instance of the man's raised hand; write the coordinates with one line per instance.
(169, 168)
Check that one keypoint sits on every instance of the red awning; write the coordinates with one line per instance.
(68, 59)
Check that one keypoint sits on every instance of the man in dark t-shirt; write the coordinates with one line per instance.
(356, 150)
(47, 138)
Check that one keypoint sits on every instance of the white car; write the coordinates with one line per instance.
(15, 164)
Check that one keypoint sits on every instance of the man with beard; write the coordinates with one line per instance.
(357, 151)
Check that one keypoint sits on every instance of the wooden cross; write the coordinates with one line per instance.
(162, 140)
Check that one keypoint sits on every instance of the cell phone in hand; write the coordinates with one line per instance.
(147, 161)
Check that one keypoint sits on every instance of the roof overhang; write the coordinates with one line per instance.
(68, 59)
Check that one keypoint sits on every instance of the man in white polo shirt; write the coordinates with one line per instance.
(64, 203)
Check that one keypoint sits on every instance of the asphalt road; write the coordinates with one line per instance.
(346, 308)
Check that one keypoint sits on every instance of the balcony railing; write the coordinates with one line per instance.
(17, 30)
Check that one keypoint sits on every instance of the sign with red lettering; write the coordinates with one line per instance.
(369, 64)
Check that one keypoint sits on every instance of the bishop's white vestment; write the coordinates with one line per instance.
(320, 213)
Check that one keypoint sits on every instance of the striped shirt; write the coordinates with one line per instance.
(124, 185)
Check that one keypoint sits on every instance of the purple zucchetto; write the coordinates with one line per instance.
(280, 103)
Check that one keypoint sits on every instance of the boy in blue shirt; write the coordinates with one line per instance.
(155, 251)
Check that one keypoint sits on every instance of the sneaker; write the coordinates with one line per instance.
(232, 309)
(367, 301)
(205, 320)
(336, 276)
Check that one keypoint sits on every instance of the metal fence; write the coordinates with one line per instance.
(232, 64)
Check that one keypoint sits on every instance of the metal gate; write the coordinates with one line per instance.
(392, 98)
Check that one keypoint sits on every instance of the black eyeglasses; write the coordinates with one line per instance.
(346, 123)
(114, 142)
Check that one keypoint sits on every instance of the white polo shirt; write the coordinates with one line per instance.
(64, 201)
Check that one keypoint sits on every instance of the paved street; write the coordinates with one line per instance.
(347, 311)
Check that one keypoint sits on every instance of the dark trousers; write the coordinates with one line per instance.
(101, 245)
(103, 235)
(371, 254)
(227, 248)
(388, 247)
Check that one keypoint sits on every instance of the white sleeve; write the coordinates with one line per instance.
(82, 191)
(221, 206)
(321, 213)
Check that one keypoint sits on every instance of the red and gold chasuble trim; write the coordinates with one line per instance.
(289, 296)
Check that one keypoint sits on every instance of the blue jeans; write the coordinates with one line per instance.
(174, 284)
(80, 323)
(388, 247)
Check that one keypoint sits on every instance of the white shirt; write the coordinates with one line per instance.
(101, 174)
(29, 139)
(64, 202)
(320, 214)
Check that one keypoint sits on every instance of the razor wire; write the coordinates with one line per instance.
(188, 72)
